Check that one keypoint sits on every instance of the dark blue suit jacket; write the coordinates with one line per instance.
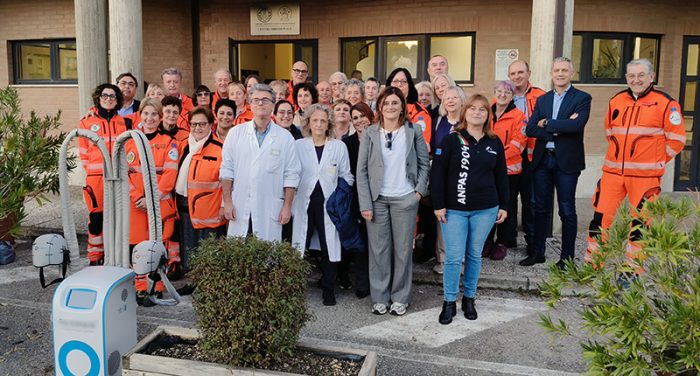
(566, 133)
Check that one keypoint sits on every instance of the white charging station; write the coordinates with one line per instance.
(94, 321)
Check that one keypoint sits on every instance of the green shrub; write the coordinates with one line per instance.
(250, 300)
(652, 326)
(29, 151)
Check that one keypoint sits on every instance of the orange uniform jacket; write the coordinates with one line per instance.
(187, 106)
(166, 157)
(204, 193)
(245, 116)
(418, 115)
(91, 157)
(643, 134)
(215, 100)
(531, 95)
(510, 128)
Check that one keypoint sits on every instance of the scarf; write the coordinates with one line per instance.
(194, 148)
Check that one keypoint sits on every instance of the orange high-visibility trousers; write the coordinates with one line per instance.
(611, 190)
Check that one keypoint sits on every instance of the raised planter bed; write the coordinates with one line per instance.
(135, 363)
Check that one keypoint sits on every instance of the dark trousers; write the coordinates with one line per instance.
(548, 176)
(527, 201)
(189, 236)
(508, 230)
(359, 261)
(329, 270)
(427, 224)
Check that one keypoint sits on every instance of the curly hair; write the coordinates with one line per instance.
(306, 118)
(98, 92)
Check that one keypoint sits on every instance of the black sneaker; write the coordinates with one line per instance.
(344, 283)
(187, 289)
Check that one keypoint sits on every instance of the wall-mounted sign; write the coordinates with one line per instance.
(274, 19)
(503, 59)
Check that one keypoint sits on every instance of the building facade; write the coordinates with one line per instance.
(37, 40)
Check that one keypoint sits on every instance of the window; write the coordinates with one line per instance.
(45, 62)
(378, 56)
(601, 57)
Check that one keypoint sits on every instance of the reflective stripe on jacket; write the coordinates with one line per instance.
(510, 129)
(203, 186)
(643, 134)
(166, 157)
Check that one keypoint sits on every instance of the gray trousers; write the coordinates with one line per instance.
(390, 236)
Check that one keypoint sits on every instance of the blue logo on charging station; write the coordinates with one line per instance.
(78, 346)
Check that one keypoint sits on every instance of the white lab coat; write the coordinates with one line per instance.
(334, 164)
(259, 174)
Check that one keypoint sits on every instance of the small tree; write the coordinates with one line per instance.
(29, 151)
(250, 300)
(646, 324)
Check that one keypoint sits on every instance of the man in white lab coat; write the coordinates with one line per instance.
(259, 172)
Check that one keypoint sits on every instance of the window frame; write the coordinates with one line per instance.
(586, 63)
(423, 51)
(53, 57)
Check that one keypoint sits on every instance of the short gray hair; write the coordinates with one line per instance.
(306, 117)
(563, 59)
(230, 77)
(462, 99)
(355, 82)
(262, 87)
(341, 74)
(644, 62)
(171, 70)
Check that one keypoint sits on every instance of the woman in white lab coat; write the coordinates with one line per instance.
(323, 160)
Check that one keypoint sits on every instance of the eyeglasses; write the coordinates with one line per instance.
(261, 101)
(300, 71)
(203, 124)
(106, 96)
(399, 82)
(127, 83)
(388, 136)
(632, 76)
(203, 94)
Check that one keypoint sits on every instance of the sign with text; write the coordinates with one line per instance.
(274, 19)
(503, 59)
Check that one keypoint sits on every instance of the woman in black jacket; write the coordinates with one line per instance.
(469, 188)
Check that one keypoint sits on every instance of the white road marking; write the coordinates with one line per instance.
(426, 358)
(422, 327)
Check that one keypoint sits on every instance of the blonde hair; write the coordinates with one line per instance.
(152, 88)
(477, 99)
(153, 103)
(306, 118)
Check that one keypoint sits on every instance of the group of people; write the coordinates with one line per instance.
(352, 170)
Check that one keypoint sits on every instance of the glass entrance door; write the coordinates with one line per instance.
(687, 171)
(272, 60)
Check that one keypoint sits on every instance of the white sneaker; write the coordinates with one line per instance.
(379, 309)
(398, 309)
(439, 268)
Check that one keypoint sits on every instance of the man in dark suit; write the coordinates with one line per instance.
(557, 123)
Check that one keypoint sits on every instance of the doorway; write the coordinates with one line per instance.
(272, 60)
(687, 174)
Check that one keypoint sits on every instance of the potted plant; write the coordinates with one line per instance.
(639, 323)
(29, 151)
(250, 305)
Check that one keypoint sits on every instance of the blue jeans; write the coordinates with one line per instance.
(549, 176)
(465, 232)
